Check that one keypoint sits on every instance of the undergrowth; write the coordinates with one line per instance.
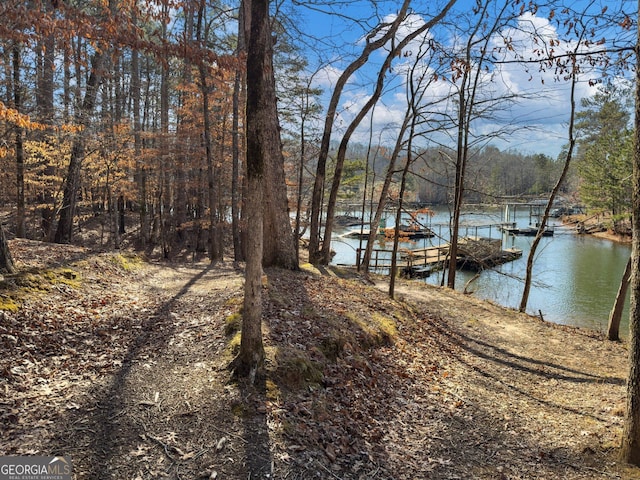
(21, 286)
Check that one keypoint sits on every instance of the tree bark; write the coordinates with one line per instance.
(6, 261)
(613, 330)
(630, 447)
(64, 232)
(17, 101)
(260, 137)
(279, 247)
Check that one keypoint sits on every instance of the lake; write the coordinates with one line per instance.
(575, 277)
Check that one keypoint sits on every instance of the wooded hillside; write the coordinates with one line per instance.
(121, 364)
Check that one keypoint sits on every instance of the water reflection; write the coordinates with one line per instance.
(576, 277)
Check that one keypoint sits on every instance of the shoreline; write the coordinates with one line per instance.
(595, 221)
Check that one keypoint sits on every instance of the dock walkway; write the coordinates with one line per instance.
(474, 254)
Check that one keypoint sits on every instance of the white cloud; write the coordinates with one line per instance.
(541, 114)
(327, 77)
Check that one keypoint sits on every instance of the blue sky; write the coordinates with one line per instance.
(340, 27)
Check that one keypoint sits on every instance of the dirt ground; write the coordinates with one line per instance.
(120, 363)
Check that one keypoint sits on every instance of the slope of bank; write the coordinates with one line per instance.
(120, 363)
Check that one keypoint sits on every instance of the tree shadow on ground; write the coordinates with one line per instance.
(98, 431)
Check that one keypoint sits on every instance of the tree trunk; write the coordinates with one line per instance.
(296, 228)
(325, 255)
(64, 232)
(383, 196)
(137, 144)
(17, 101)
(165, 203)
(318, 187)
(6, 261)
(260, 137)
(235, 152)
(122, 215)
(552, 197)
(215, 250)
(279, 246)
(613, 331)
(630, 447)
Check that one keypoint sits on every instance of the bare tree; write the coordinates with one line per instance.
(373, 43)
(572, 70)
(19, 143)
(469, 68)
(615, 316)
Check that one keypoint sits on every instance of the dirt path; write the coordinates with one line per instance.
(125, 372)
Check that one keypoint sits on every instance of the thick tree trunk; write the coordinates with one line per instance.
(279, 247)
(630, 448)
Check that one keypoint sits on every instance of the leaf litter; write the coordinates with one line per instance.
(126, 373)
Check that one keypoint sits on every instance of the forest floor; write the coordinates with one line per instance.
(120, 363)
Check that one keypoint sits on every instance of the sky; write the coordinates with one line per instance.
(536, 123)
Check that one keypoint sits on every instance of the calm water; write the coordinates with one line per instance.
(575, 280)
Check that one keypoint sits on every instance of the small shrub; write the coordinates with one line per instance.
(233, 347)
(8, 304)
(295, 369)
(333, 346)
(127, 262)
(233, 323)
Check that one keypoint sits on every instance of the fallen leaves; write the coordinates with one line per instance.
(127, 370)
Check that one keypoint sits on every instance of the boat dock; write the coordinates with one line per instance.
(474, 254)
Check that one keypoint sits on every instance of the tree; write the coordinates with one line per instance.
(545, 216)
(630, 445)
(19, 144)
(415, 91)
(605, 171)
(279, 243)
(6, 261)
(615, 316)
(239, 85)
(468, 73)
(262, 133)
(605, 151)
(374, 41)
(394, 51)
(215, 234)
(64, 231)
(571, 70)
